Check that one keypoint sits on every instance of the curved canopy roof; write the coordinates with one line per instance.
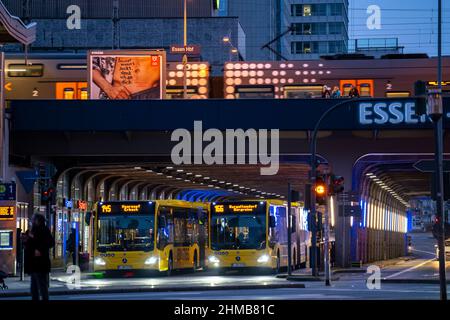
(13, 30)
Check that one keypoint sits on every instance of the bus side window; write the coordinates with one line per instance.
(164, 226)
(272, 227)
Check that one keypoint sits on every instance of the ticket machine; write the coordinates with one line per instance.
(8, 228)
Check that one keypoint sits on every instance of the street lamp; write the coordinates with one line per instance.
(233, 50)
(185, 57)
(435, 111)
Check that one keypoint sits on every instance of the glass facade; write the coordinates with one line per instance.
(317, 28)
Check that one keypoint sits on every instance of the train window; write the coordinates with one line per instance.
(303, 91)
(178, 92)
(346, 86)
(23, 70)
(69, 94)
(74, 66)
(365, 90)
(398, 94)
(255, 92)
(83, 94)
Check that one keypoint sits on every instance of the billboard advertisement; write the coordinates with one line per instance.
(127, 74)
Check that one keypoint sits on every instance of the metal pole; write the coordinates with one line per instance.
(289, 227)
(313, 178)
(327, 242)
(439, 137)
(185, 58)
(313, 215)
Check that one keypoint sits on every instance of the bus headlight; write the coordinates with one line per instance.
(263, 259)
(99, 261)
(151, 260)
(213, 259)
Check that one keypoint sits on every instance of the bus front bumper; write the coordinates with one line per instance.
(233, 259)
(118, 263)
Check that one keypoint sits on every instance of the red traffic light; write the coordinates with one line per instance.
(336, 184)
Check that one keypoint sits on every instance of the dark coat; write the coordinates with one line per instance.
(42, 241)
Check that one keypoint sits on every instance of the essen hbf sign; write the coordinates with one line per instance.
(390, 113)
(189, 49)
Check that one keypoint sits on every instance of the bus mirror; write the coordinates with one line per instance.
(272, 222)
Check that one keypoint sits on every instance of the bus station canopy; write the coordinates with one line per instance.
(13, 30)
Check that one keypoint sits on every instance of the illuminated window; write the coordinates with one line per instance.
(22, 70)
(398, 94)
(307, 10)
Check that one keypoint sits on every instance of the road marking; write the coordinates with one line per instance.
(409, 269)
(427, 252)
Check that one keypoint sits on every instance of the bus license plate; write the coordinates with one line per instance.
(125, 267)
(238, 265)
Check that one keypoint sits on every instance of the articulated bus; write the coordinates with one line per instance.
(160, 235)
(253, 234)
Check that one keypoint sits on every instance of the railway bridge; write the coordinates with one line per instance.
(119, 150)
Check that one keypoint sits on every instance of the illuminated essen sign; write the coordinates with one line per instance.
(381, 113)
(7, 213)
(118, 208)
(237, 208)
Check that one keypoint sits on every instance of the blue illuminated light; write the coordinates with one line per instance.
(363, 205)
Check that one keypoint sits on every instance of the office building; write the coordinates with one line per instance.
(319, 27)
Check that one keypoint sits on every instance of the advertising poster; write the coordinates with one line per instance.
(127, 75)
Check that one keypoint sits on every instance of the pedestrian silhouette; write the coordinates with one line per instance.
(38, 241)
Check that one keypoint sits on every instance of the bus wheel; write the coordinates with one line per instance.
(169, 265)
(195, 267)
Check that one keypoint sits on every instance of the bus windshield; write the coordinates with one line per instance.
(238, 230)
(125, 233)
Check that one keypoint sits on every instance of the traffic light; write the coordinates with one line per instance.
(336, 185)
(47, 195)
(321, 190)
(420, 92)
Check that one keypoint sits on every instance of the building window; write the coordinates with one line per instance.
(307, 10)
(307, 47)
(336, 9)
(308, 29)
(335, 28)
(296, 10)
(335, 46)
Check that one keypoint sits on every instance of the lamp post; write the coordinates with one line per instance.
(313, 173)
(185, 58)
(435, 111)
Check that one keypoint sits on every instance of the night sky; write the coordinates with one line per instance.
(414, 22)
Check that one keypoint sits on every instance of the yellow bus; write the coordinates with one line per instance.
(247, 234)
(161, 235)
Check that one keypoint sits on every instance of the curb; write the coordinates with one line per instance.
(349, 271)
(170, 289)
(419, 281)
(310, 279)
